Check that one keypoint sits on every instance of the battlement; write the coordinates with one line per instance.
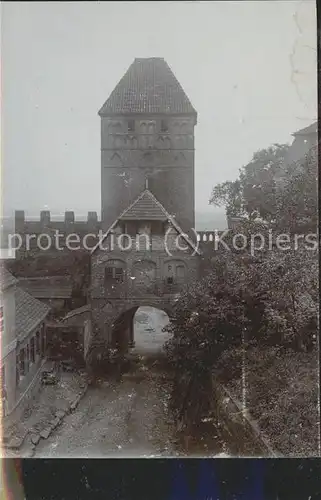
(208, 236)
(68, 223)
(41, 233)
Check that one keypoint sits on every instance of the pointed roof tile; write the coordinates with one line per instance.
(148, 86)
(145, 207)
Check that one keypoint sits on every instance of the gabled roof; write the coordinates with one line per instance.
(311, 129)
(6, 278)
(76, 312)
(145, 207)
(29, 313)
(138, 210)
(49, 287)
(148, 86)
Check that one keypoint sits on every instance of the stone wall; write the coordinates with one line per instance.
(145, 273)
(29, 230)
(237, 428)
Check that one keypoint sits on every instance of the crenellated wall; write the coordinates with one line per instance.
(23, 224)
(29, 230)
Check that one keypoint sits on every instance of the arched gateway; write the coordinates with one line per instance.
(145, 257)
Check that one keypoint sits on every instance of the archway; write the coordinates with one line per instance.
(140, 330)
(148, 324)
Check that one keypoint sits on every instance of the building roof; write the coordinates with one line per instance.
(311, 129)
(148, 86)
(145, 207)
(158, 212)
(49, 287)
(29, 312)
(6, 278)
(76, 312)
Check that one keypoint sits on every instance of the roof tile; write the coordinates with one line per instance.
(51, 287)
(145, 207)
(6, 278)
(29, 312)
(148, 86)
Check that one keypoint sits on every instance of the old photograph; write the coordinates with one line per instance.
(159, 230)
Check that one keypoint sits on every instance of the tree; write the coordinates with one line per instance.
(273, 298)
(208, 318)
(297, 202)
(280, 194)
(254, 192)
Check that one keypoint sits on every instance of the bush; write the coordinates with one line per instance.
(282, 394)
(269, 302)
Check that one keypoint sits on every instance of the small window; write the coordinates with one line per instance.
(43, 342)
(180, 271)
(119, 275)
(38, 343)
(131, 126)
(22, 362)
(32, 350)
(109, 273)
(114, 273)
(27, 357)
(131, 228)
(170, 280)
(164, 126)
(157, 228)
(17, 369)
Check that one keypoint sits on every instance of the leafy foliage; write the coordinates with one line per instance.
(283, 195)
(282, 394)
(254, 192)
(271, 301)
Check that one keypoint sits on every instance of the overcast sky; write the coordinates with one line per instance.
(249, 69)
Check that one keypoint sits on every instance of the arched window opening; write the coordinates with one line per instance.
(170, 275)
(114, 272)
(164, 126)
(131, 125)
(180, 271)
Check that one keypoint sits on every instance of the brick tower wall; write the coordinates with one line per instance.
(166, 158)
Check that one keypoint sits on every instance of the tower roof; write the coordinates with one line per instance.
(148, 86)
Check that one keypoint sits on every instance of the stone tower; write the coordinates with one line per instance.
(147, 141)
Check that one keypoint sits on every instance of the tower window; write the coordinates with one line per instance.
(164, 126)
(131, 125)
